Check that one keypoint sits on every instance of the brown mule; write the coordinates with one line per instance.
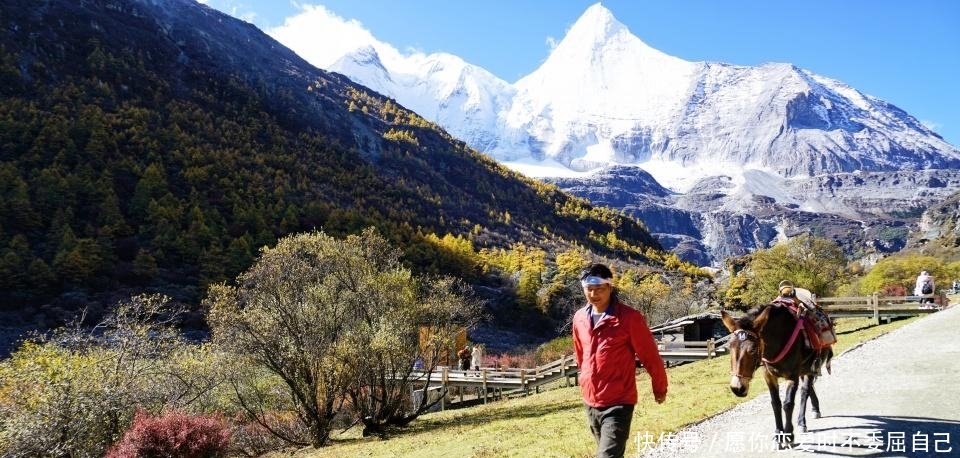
(768, 335)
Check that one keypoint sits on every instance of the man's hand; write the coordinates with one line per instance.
(660, 398)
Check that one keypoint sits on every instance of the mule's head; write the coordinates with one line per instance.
(745, 349)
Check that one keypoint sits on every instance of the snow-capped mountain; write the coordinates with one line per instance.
(440, 87)
(604, 98)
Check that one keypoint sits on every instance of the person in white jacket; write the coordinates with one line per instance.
(476, 357)
(924, 288)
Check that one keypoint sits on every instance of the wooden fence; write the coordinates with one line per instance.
(493, 383)
(488, 383)
(880, 308)
(688, 351)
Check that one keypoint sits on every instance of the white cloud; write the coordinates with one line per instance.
(552, 43)
(321, 37)
(934, 126)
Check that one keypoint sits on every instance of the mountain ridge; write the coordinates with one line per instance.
(603, 98)
(662, 108)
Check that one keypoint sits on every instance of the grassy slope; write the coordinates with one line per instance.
(552, 424)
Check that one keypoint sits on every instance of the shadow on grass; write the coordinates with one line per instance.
(855, 330)
(467, 417)
(867, 324)
(497, 411)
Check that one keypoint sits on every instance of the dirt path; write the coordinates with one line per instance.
(895, 396)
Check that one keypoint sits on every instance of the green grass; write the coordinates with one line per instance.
(553, 423)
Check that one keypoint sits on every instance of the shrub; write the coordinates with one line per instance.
(554, 349)
(518, 361)
(173, 434)
(74, 391)
(53, 404)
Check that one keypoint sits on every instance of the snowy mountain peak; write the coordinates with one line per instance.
(598, 83)
(604, 97)
(365, 67)
(597, 41)
(595, 25)
(366, 55)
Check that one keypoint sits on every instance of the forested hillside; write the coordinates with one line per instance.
(156, 146)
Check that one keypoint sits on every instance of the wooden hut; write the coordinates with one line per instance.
(694, 328)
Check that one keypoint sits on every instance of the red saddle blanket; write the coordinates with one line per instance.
(817, 327)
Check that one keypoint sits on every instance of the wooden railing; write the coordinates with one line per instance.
(878, 307)
(490, 383)
(495, 383)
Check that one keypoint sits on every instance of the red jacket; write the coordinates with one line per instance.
(605, 355)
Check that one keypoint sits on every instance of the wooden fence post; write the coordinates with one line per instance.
(483, 373)
(563, 371)
(875, 298)
(444, 390)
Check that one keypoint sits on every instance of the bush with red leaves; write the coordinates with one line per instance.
(173, 434)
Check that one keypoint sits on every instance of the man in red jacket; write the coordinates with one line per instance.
(608, 337)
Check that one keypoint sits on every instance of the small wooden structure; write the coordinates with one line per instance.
(690, 338)
(695, 328)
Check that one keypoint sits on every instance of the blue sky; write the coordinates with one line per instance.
(907, 53)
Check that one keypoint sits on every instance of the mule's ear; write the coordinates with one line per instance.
(728, 321)
(761, 319)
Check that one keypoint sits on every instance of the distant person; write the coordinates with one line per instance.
(924, 288)
(608, 336)
(476, 357)
(464, 356)
(802, 296)
(418, 363)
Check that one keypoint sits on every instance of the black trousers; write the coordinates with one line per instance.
(611, 429)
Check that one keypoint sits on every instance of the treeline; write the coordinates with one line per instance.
(820, 265)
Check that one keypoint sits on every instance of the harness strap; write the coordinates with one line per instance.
(786, 348)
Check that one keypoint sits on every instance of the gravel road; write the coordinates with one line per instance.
(894, 396)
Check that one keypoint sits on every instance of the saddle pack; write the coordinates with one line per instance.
(817, 327)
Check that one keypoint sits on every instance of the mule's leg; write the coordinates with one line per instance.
(806, 390)
(814, 400)
(789, 396)
(774, 389)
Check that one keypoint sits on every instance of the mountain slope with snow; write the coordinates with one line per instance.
(604, 98)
